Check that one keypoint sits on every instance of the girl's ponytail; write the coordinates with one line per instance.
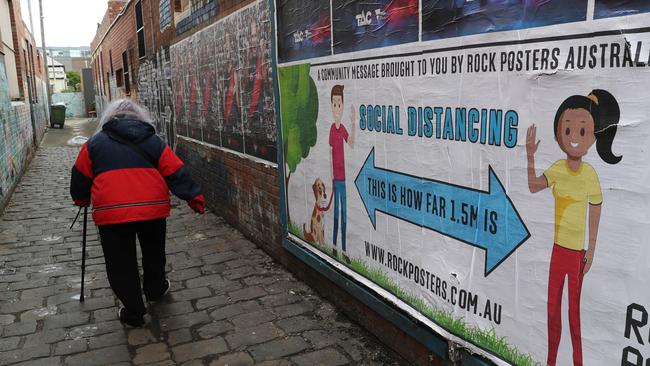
(606, 123)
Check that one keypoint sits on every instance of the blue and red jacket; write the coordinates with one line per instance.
(123, 183)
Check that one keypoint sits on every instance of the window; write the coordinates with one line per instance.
(101, 73)
(119, 78)
(127, 79)
(107, 86)
(110, 60)
(139, 26)
(165, 14)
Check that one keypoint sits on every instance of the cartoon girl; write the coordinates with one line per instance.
(579, 122)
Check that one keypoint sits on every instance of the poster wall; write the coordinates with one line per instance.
(304, 29)
(617, 8)
(360, 25)
(494, 186)
(222, 84)
(452, 18)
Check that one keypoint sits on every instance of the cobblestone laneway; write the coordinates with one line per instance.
(230, 303)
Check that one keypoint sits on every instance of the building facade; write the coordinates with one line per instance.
(56, 75)
(73, 58)
(130, 58)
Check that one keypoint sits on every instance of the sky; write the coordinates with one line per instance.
(67, 22)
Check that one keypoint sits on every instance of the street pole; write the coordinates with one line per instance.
(47, 68)
(31, 97)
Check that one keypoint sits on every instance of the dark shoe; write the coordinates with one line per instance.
(134, 321)
(346, 258)
(167, 286)
(335, 253)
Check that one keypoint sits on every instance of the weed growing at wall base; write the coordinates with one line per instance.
(484, 338)
(296, 230)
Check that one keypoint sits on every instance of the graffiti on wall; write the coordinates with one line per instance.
(223, 86)
(23, 124)
(40, 109)
(7, 120)
(155, 91)
(16, 136)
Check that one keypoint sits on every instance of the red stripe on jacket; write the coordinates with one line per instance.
(142, 192)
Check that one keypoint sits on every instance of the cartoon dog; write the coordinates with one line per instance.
(317, 232)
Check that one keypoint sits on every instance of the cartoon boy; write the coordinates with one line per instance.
(339, 135)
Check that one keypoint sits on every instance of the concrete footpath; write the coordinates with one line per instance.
(230, 304)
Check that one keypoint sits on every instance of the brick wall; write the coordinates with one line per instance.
(18, 35)
(149, 76)
(116, 35)
(28, 59)
(242, 190)
(113, 9)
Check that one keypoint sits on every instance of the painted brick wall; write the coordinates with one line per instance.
(17, 132)
(15, 145)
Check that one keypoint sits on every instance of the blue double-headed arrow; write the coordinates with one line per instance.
(486, 220)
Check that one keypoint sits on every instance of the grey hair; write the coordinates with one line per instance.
(125, 107)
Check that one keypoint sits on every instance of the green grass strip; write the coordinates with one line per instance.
(484, 338)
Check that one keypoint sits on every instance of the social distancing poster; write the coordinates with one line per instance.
(481, 164)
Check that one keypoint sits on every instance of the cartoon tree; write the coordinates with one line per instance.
(299, 103)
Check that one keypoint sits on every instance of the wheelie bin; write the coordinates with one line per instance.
(57, 115)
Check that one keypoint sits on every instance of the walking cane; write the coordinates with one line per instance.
(83, 254)
(83, 248)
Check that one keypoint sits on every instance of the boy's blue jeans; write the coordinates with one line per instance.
(339, 195)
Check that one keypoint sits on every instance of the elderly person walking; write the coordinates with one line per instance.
(128, 172)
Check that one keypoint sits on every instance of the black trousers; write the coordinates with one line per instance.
(118, 242)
